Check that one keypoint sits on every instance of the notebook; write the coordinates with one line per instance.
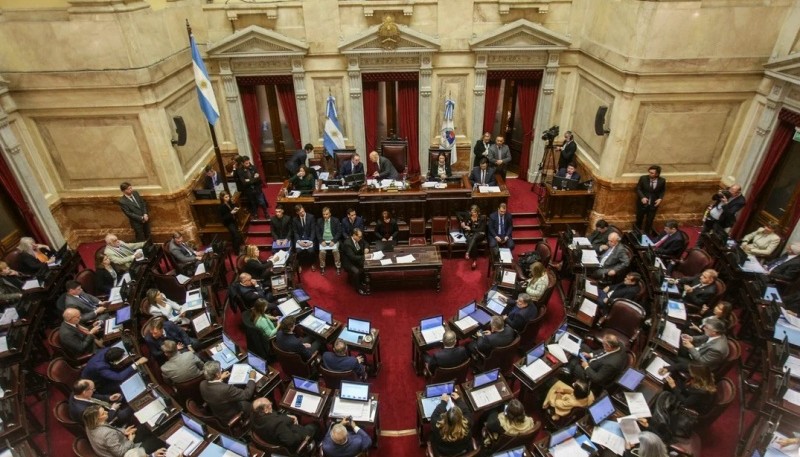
(289, 307)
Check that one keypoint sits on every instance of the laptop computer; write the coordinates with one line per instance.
(432, 329)
(133, 387)
(259, 364)
(564, 183)
(515, 452)
(354, 391)
(300, 295)
(562, 435)
(472, 310)
(123, 315)
(356, 330)
(385, 246)
(601, 410)
(306, 385)
(432, 396)
(234, 445)
(226, 353)
(487, 377)
(631, 379)
(496, 305)
(193, 425)
(188, 437)
(533, 354)
(319, 321)
(289, 307)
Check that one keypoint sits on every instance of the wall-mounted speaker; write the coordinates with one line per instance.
(600, 121)
(180, 129)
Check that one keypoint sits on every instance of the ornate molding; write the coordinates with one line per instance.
(262, 64)
(505, 6)
(257, 42)
(270, 11)
(407, 10)
(105, 6)
(512, 60)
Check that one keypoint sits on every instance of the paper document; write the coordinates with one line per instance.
(314, 324)
(659, 263)
(485, 396)
(588, 307)
(670, 288)
(376, 255)
(676, 310)
(506, 256)
(671, 334)
(536, 370)
(589, 257)
(791, 318)
(637, 404)
(184, 440)
(581, 241)
(772, 293)
(655, 365)
(433, 335)
(201, 322)
(385, 262)
(429, 184)
(789, 450)
(458, 238)
(570, 343)
(9, 316)
(792, 363)
(357, 409)
(3, 344)
(150, 412)
(466, 323)
(569, 448)
(240, 374)
(488, 189)
(509, 277)
(279, 259)
(332, 247)
(609, 435)
(308, 402)
(30, 284)
(629, 428)
(405, 259)
(752, 265)
(111, 327)
(115, 296)
(201, 269)
(182, 279)
(590, 288)
(792, 396)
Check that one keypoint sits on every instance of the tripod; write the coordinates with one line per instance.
(548, 159)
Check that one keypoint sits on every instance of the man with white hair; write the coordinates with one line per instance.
(384, 167)
(281, 429)
(122, 254)
(786, 267)
(341, 442)
(616, 258)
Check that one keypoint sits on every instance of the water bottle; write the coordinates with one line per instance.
(591, 186)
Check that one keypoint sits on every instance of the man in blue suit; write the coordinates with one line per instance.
(350, 222)
(287, 341)
(569, 173)
(340, 360)
(305, 233)
(483, 175)
(102, 369)
(500, 227)
(341, 442)
(524, 312)
(352, 166)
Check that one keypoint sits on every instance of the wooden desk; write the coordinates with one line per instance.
(419, 347)
(374, 423)
(425, 269)
(770, 402)
(527, 385)
(422, 420)
(329, 334)
(173, 408)
(287, 402)
(560, 208)
(502, 388)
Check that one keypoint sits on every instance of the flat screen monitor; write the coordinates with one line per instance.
(630, 379)
(601, 409)
(436, 390)
(258, 363)
(133, 387)
(487, 377)
(516, 452)
(233, 445)
(355, 178)
(431, 322)
(193, 425)
(533, 354)
(305, 384)
(323, 315)
(228, 342)
(560, 182)
(359, 326)
(496, 306)
(300, 295)
(356, 391)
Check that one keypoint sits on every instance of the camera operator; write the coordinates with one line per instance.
(721, 212)
(567, 150)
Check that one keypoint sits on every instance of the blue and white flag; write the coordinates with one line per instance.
(448, 140)
(205, 93)
(332, 138)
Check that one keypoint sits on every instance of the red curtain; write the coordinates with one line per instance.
(370, 94)
(527, 95)
(780, 141)
(408, 121)
(252, 118)
(289, 106)
(10, 185)
(490, 106)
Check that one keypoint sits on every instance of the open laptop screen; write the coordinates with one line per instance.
(467, 310)
(486, 377)
(563, 435)
(533, 354)
(193, 425)
(133, 387)
(496, 305)
(300, 295)
(233, 445)
(228, 342)
(436, 390)
(431, 322)
(123, 315)
(630, 379)
(358, 326)
(257, 362)
(323, 315)
(305, 384)
(602, 409)
(357, 391)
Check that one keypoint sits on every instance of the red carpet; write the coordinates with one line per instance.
(394, 312)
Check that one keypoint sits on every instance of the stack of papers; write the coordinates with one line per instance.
(588, 307)
(536, 370)
(506, 256)
(609, 435)
(509, 277)
(9, 316)
(433, 335)
(314, 324)
(151, 413)
(466, 323)
(655, 365)
(308, 402)
(637, 405)
(31, 284)
(589, 257)
(676, 310)
(792, 396)
(629, 428)
(790, 318)
(182, 279)
(488, 189)
(376, 255)
(279, 259)
(793, 363)
(240, 374)
(405, 259)
(671, 334)
(184, 441)
(581, 241)
(111, 326)
(485, 396)
(385, 262)
(590, 288)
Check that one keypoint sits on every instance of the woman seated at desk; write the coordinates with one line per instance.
(698, 392)
(263, 320)
(386, 229)
(303, 180)
(538, 282)
(162, 306)
(253, 264)
(723, 311)
(451, 429)
(105, 276)
(510, 421)
(474, 228)
(440, 169)
(561, 399)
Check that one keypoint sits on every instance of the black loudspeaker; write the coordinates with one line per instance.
(600, 121)
(180, 128)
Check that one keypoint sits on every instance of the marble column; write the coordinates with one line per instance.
(356, 107)
(478, 102)
(763, 129)
(301, 99)
(544, 107)
(423, 121)
(23, 172)
(235, 109)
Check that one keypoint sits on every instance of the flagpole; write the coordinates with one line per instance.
(217, 152)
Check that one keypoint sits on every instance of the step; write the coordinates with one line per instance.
(259, 240)
(525, 214)
(261, 229)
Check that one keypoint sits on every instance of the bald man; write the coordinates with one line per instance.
(385, 169)
(614, 259)
(280, 429)
(76, 339)
(122, 254)
(341, 442)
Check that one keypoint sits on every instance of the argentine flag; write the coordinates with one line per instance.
(205, 93)
(332, 138)
(448, 140)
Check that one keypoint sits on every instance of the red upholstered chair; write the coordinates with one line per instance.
(624, 320)
(343, 155)
(12, 259)
(86, 279)
(236, 427)
(693, 264)
(416, 232)
(439, 235)
(333, 379)
(168, 284)
(54, 340)
(505, 442)
(734, 354)
(293, 365)
(726, 393)
(396, 150)
(457, 373)
(527, 337)
(82, 448)
(306, 447)
(501, 357)
(189, 390)
(430, 451)
(61, 413)
(62, 374)
(545, 253)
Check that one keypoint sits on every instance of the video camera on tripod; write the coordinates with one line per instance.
(550, 134)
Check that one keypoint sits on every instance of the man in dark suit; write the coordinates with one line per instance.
(77, 340)
(341, 442)
(599, 237)
(498, 335)
(650, 191)
(89, 305)
(385, 169)
(250, 290)
(281, 230)
(135, 208)
(329, 232)
(709, 349)
(225, 400)
(614, 259)
(567, 150)
(105, 370)
(499, 156)
(483, 175)
(569, 173)
(185, 257)
(287, 341)
(353, 250)
(180, 366)
(440, 168)
(250, 182)
(670, 242)
(628, 288)
(351, 221)
(500, 227)
(299, 158)
(448, 357)
(787, 266)
(699, 290)
(352, 166)
(731, 205)
(279, 429)
(159, 331)
(211, 179)
(340, 360)
(601, 367)
(524, 312)
(84, 396)
(481, 149)
(305, 234)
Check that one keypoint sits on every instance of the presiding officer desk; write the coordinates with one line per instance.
(416, 201)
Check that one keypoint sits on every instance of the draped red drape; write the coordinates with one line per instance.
(490, 106)
(289, 106)
(781, 139)
(370, 94)
(527, 95)
(252, 118)
(10, 185)
(408, 112)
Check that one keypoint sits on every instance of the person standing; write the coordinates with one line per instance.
(298, 159)
(500, 156)
(250, 180)
(567, 151)
(500, 228)
(227, 212)
(650, 192)
(135, 209)
(481, 149)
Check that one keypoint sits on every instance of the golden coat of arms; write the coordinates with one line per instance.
(388, 33)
